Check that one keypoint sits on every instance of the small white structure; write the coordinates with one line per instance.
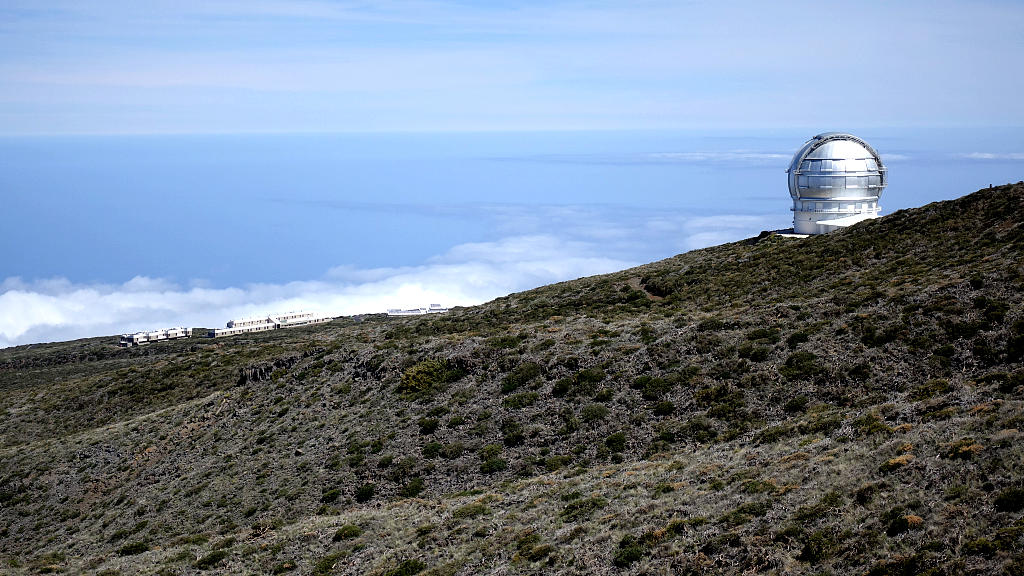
(835, 180)
(432, 309)
(270, 322)
(140, 338)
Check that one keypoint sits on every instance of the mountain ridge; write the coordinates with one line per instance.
(837, 403)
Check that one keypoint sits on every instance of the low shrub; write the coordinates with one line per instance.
(212, 559)
(432, 450)
(896, 463)
(1010, 500)
(413, 488)
(629, 550)
(930, 389)
(871, 424)
(797, 338)
(582, 383)
(800, 366)
(133, 548)
(347, 532)
(471, 510)
(364, 493)
(521, 400)
(699, 429)
(520, 376)
(408, 568)
(745, 513)
(582, 509)
(616, 442)
(772, 434)
(818, 546)
(427, 376)
(664, 408)
(651, 387)
(492, 465)
(428, 425)
(593, 412)
(796, 405)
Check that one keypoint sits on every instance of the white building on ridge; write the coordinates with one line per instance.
(432, 309)
(140, 338)
(835, 180)
(270, 322)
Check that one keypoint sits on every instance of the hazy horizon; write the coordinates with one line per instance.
(172, 163)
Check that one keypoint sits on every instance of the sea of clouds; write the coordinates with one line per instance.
(579, 241)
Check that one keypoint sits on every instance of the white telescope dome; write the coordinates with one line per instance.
(835, 180)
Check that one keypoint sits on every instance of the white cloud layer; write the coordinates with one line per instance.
(466, 274)
(993, 155)
(586, 243)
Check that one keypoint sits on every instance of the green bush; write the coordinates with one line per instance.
(413, 488)
(520, 376)
(764, 334)
(521, 400)
(326, 565)
(699, 429)
(616, 442)
(428, 425)
(408, 568)
(818, 546)
(133, 548)
(492, 465)
(746, 512)
(650, 387)
(471, 510)
(583, 382)
(797, 338)
(664, 408)
(582, 509)
(979, 547)
(800, 365)
(772, 434)
(212, 559)
(365, 493)
(432, 450)
(870, 424)
(347, 532)
(490, 451)
(426, 376)
(1010, 500)
(593, 412)
(512, 433)
(330, 495)
(754, 353)
(796, 405)
(452, 451)
(629, 550)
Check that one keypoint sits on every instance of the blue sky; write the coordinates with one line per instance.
(554, 140)
(163, 66)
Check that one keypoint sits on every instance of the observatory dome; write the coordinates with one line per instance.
(835, 180)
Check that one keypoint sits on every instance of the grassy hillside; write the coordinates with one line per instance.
(845, 404)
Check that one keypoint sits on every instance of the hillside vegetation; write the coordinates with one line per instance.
(843, 404)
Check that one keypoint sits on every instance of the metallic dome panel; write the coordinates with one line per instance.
(836, 165)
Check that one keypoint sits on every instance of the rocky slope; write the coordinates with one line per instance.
(846, 404)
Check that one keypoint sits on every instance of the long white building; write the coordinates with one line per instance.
(432, 309)
(269, 322)
(141, 338)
